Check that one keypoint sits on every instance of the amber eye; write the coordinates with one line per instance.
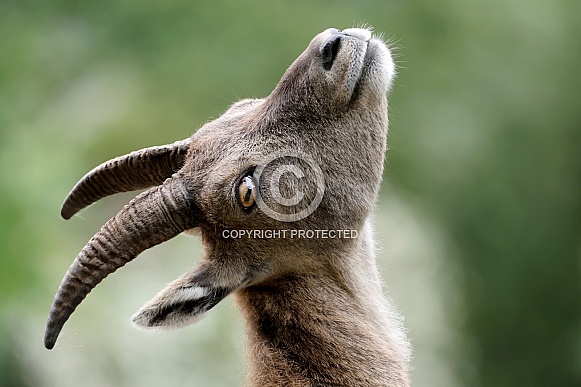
(246, 192)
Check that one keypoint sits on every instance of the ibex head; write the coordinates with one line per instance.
(307, 157)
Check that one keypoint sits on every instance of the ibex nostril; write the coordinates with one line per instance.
(330, 50)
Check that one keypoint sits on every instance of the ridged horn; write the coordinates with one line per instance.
(137, 170)
(153, 217)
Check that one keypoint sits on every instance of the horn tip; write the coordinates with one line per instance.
(67, 212)
(54, 325)
(50, 339)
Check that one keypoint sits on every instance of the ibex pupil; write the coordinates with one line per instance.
(248, 195)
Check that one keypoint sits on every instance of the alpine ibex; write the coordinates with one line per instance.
(280, 191)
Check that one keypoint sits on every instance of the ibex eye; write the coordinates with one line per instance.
(246, 192)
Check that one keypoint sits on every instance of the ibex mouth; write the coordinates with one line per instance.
(367, 61)
(376, 70)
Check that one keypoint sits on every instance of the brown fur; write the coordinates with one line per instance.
(314, 308)
(309, 330)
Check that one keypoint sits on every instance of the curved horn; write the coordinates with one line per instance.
(153, 217)
(137, 170)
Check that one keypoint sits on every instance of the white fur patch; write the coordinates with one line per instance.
(144, 317)
(190, 293)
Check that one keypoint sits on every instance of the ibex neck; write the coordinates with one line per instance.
(308, 330)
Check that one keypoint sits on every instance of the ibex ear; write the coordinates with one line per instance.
(183, 302)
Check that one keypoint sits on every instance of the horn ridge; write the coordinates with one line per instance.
(153, 217)
(137, 170)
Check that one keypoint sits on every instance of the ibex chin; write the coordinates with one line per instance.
(280, 191)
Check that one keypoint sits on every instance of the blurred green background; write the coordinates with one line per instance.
(479, 221)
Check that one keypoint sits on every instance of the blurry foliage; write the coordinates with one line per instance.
(485, 141)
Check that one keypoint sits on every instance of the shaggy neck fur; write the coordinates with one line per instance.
(319, 329)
